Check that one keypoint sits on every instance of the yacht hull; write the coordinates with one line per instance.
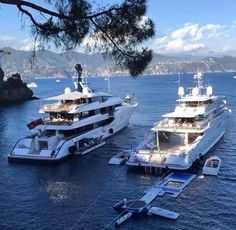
(66, 148)
(211, 137)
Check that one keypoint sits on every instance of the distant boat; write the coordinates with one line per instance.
(234, 76)
(58, 80)
(212, 166)
(32, 85)
(120, 158)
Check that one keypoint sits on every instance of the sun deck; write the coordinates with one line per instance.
(171, 125)
(58, 107)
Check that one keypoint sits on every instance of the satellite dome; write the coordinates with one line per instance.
(209, 91)
(195, 91)
(67, 90)
(181, 91)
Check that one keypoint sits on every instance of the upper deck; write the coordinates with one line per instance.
(179, 125)
(65, 102)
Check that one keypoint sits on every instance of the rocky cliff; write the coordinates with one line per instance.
(14, 89)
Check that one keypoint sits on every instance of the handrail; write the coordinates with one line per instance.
(183, 126)
(58, 150)
(31, 136)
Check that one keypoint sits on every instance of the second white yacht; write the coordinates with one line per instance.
(77, 122)
(183, 136)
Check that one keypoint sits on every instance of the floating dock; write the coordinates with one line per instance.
(173, 184)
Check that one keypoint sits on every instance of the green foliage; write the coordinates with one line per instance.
(117, 30)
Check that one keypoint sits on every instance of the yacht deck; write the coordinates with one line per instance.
(167, 125)
(58, 107)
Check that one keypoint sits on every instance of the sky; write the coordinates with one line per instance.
(189, 27)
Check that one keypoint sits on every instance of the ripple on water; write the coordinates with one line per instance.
(57, 196)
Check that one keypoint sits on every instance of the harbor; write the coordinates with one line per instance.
(77, 181)
(117, 115)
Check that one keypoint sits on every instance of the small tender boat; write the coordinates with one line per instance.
(234, 76)
(120, 158)
(212, 166)
(32, 85)
(58, 80)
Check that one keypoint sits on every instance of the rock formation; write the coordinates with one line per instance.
(14, 89)
(1, 75)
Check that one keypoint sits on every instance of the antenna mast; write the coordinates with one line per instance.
(199, 78)
(79, 70)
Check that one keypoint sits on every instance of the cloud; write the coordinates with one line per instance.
(7, 41)
(28, 45)
(179, 45)
(187, 31)
(143, 21)
(10, 41)
(161, 40)
(4, 38)
(190, 38)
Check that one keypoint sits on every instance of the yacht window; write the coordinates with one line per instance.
(118, 105)
(91, 112)
(49, 132)
(103, 110)
(72, 132)
(200, 117)
(105, 98)
(192, 103)
(209, 101)
(86, 128)
(83, 100)
(171, 138)
(95, 99)
(193, 136)
(84, 114)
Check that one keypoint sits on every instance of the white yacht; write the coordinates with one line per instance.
(73, 122)
(32, 85)
(183, 136)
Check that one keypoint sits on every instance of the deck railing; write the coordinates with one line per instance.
(57, 121)
(177, 125)
(58, 107)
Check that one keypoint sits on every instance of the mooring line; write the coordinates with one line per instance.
(117, 217)
(100, 194)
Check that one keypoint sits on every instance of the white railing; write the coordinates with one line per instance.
(57, 107)
(57, 121)
(176, 125)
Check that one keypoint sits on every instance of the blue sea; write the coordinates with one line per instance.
(79, 192)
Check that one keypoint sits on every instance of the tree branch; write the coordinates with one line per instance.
(110, 39)
(53, 13)
(30, 16)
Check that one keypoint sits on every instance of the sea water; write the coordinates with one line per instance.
(79, 192)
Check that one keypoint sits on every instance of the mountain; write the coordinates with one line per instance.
(50, 64)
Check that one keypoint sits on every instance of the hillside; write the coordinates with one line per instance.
(50, 64)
